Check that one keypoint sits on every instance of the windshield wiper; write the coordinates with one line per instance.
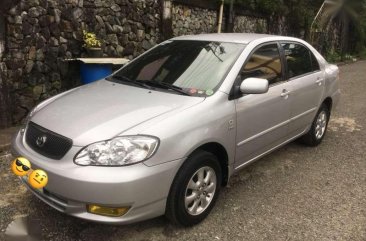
(163, 85)
(126, 79)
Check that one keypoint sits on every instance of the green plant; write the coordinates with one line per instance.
(91, 40)
(333, 57)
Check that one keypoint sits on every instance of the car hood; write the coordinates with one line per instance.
(103, 110)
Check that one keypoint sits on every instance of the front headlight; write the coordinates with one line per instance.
(119, 151)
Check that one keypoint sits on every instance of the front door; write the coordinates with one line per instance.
(262, 119)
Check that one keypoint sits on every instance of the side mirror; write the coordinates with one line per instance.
(254, 86)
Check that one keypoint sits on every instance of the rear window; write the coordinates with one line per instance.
(300, 60)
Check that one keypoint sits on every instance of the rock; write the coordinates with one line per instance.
(77, 13)
(41, 67)
(63, 40)
(100, 20)
(32, 53)
(53, 41)
(66, 26)
(116, 8)
(38, 90)
(109, 28)
(15, 11)
(40, 42)
(32, 3)
(57, 14)
(140, 34)
(111, 51)
(146, 45)
(119, 50)
(29, 66)
(39, 55)
(117, 29)
(34, 12)
(112, 39)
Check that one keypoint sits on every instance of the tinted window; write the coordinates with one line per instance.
(264, 63)
(314, 62)
(197, 67)
(298, 59)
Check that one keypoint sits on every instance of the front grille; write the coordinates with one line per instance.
(46, 142)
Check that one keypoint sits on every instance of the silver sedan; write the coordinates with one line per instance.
(164, 133)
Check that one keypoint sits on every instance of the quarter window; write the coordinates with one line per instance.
(264, 63)
(299, 60)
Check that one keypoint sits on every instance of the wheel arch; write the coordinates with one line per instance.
(328, 103)
(221, 153)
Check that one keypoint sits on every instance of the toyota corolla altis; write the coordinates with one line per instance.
(165, 132)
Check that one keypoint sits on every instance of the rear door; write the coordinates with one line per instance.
(306, 82)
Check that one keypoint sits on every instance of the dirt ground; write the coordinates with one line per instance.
(295, 193)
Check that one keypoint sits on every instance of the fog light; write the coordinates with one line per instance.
(107, 211)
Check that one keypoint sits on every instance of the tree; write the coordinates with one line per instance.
(349, 18)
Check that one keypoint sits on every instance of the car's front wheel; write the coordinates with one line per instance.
(195, 189)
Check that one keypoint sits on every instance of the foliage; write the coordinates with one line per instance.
(333, 57)
(91, 40)
(349, 17)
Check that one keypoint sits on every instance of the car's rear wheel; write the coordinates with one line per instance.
(195, 189)
(318, 128)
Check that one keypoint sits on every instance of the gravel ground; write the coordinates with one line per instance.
(295, 193)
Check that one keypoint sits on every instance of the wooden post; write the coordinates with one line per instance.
(166, 19)
(220, 16)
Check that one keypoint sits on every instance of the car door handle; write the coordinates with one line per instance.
(319, 82)
(285, 93)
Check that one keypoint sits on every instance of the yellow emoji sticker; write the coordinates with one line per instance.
(20, 166)
(38, 178)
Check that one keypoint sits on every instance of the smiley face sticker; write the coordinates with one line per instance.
(20, 166)
(38, 179)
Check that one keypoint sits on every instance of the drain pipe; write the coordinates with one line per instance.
(220, 16)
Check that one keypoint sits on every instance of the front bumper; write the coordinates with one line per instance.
(71, 187)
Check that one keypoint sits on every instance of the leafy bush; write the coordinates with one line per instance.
(333, 57)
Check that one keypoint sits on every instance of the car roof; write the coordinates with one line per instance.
(243, 38)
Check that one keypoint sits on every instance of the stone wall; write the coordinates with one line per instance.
(193, 20)
(41, 34)
(247, 24)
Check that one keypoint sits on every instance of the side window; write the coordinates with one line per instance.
(299, 59)
(314, 62)
(264, 63)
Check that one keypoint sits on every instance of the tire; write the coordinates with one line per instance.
(199, 196)
(315, 135)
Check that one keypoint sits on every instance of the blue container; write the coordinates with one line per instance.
(93, 72)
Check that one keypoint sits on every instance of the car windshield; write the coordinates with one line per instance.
(194, 68)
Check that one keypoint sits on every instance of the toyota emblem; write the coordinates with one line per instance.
(41, 140)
